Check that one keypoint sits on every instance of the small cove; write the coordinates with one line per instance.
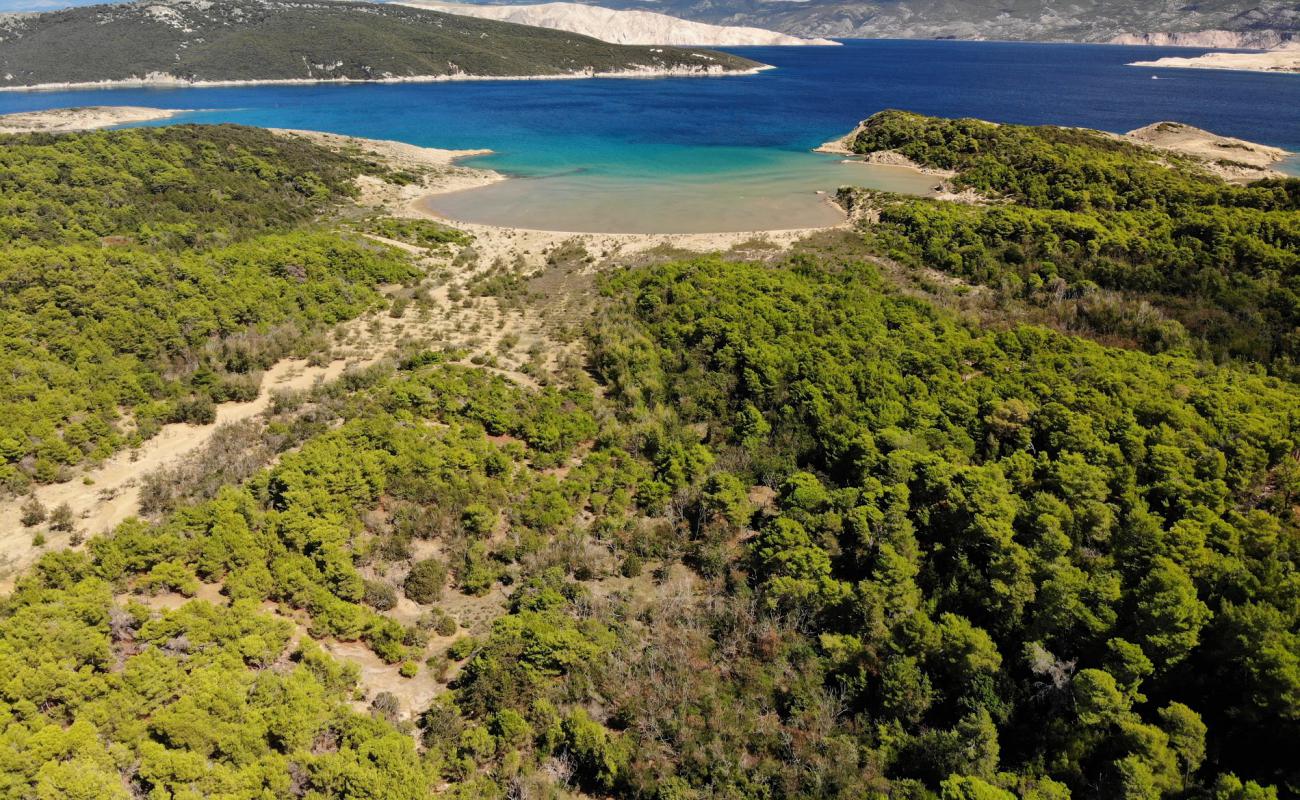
(791, 192)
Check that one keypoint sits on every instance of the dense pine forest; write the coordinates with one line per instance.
(1072, 210)
(790, 529)
(155, 273)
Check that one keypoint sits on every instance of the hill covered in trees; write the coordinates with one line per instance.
(790, 530)
(1072, 211)
(149, 274)
(171, 41)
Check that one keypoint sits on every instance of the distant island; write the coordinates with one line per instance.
(293, 41)
(1281, 59)
(621, 26)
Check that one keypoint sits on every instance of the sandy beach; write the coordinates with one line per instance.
(104, 495)
(444, 175)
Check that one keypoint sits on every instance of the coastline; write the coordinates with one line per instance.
(85, 118)
(889, 158)
(1233, 160)
(112, 492)
(1281, 61)
(169, 82)
(444, 174)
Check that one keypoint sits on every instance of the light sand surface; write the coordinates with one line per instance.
(1284, 59)
(1229, 158)
(63, 120)
(499, 242)
(104, 496)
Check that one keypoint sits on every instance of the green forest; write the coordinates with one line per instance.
(1077, 209)
(790, 531)
(293, 40)
(149, 274)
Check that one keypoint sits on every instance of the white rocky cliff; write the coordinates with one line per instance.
(621, 26)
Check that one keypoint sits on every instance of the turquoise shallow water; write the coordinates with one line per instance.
(713, 154)
(780, 190)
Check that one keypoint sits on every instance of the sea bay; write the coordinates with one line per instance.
(733, 153)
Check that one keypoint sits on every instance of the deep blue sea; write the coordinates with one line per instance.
(630, 146)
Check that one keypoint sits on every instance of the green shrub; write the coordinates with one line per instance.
(425, 582)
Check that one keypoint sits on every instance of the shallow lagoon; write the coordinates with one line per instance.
(785, 193)
(695, 154)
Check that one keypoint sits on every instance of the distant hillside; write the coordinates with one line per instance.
(285, 40)
(620, 26)
(1229, 22)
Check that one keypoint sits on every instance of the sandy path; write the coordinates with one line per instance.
(103, 497)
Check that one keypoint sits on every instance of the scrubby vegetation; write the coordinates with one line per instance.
(805, 535)
(1081, 209)
(1012, 564)
(149, 274)
(418, 232)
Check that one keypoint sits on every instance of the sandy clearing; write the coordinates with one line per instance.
(104, 496)
(65, 120)
(496, 242)
(1231, 159)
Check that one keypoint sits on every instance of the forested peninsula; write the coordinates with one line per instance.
(971, 500)
(194, 42)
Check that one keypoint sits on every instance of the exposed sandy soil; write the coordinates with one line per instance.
(526, 341)
(63, 120)
(104, 496)
(1230, 159)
